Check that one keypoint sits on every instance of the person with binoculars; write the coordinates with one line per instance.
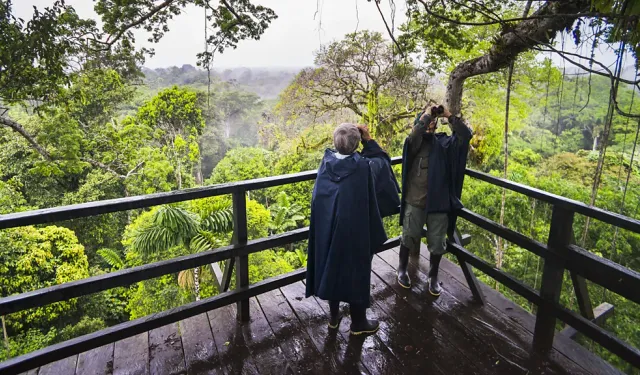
(433, 166)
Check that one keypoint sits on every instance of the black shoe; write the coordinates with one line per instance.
(434, 286)
(403, 263)
(360, 325)
(434, 265)
(367, 327)
(335, 315)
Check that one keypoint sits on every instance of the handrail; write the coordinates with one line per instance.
(76, 211)
(618, 220)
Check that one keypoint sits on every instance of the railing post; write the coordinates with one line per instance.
(560, 235)
(242, 262)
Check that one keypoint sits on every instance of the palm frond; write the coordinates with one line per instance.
(203, 241)
(177, 219)
(112, 258)
(171, 226)
(219, 221)
(154, 239)
(186, 279)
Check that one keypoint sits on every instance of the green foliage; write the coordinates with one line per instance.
(85, 326)
(33, 258)
(26, 342)
(112, 258)
(285, 214)
(266, 264)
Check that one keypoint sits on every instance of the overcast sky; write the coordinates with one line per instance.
(289, 42)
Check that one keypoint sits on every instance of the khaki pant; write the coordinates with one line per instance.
(414, 219)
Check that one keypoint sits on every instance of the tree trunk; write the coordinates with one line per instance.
(4, 332)
(525, 35)
(196, 283)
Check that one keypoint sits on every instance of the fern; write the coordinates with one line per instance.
(112, 258)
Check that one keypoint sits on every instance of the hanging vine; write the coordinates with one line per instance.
(605, 140)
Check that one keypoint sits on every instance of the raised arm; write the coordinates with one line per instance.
(419, 128)
(461, 130)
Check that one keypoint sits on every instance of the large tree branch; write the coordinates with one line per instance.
(495, 21)
(137, 22)
(510, 44)
(16, 127)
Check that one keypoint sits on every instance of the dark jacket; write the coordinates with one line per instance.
(447, 164)
(384, 180)
(345, 230)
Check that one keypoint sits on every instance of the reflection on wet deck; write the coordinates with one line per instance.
(288, 334)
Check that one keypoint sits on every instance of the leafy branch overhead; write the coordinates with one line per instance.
(39, 57)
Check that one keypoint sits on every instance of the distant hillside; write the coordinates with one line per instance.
(265, 82)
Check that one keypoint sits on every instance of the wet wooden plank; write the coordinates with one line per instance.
(262, 343)
(585, 361)
(31, 372)
(373, 353)
(230, 343)
(489, 324)
(200, 352)
(98, 361)
(332, 347)
(413, 340)
(292, 338)
(165, 351)
(65, 366)
(131, 356)
(484, 357)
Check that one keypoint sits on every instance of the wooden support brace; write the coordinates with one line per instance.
(600, 316)
(467, 269)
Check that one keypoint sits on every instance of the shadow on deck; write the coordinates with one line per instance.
(288, 334)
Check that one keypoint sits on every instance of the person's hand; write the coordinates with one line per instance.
(364, 132)
(446, 113)
(424, 116)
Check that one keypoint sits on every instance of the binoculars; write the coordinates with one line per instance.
(436, 111)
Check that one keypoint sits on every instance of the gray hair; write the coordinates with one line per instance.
(346, 138)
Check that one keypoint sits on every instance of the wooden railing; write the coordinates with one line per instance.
(558, 253)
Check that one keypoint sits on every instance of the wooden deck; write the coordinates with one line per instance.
(288, 335)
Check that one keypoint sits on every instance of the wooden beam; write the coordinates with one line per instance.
(217, 276)
(559, 201)
(599, 335)
(582, 295)
(75, 211)
(62, 292)
(600, 315)
(604, 272)
(502, 277)
(467, 270)
(228, 272)
(240, 238)
(560, 236)
(512, 236)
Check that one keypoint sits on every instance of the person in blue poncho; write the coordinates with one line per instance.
(433, 166)
(346, 225)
